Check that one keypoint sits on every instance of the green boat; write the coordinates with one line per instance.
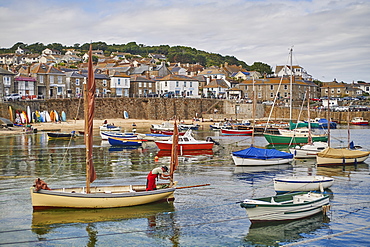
(293, 140)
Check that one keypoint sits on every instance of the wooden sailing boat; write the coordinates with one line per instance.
(99, 196)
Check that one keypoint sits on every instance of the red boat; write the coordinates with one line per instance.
(186, 142)
(165, 132)
(359, 121)
(236, 132)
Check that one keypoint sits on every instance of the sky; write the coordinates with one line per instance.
(330, 38)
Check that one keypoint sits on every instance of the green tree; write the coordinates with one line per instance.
(263, 68)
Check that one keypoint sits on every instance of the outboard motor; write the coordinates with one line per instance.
(209, 139)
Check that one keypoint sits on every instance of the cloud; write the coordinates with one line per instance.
(330, 38)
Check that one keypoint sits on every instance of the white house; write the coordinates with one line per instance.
(297, 71)
(120, 84)
(216, 88)
(182, 86)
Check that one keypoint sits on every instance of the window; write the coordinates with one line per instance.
(119, 81)
(140, 85)
(271, 95)
(51, 79)
(271, 87)
(144, 84)
(77, 82)
(6, 80)
(259, 87)
(60, 80)
(78, 90)
(332, 91)
(338, 90)
(285, 95)
(259, 95)
(104, 83)
(165, 84)
(41, 79)
(140, 91)
(286, 87)
(191, 84)
(60, 90)
(177, 84)
(184, 83)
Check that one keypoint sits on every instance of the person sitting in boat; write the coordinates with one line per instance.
(39, 184)
(153, 175)
(105, 121)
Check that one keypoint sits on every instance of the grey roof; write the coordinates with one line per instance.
(5, 72)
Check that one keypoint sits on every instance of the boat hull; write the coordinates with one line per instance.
(323, 161)
(236, 132)
(115, 141)
(106, 134)
(302, 183)
(182, 147)
(308, 151)
(100, 197)
(259, 162)
(259, 211)
(289, 140)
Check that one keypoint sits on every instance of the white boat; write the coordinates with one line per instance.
(109, 127)
(162, 126)
(290, 206)
(302, 183)
(310, 150)
(254, 156)
(153, 137)
(340, 156)
(99, 196)
(106, 134)
(359, 121)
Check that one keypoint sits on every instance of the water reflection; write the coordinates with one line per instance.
(45, 221)
(275, 234)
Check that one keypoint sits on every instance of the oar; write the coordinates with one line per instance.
(192, 186)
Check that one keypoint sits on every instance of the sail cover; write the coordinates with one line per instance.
(340, 153)
(262, 154)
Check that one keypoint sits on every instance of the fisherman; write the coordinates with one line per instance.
(153, 174)
(39, 184)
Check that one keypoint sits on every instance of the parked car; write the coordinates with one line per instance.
(13, 97)
(168, 95)
(341, 108)
(268, 103)
(150, 95)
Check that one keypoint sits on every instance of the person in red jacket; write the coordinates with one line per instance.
(153, 175)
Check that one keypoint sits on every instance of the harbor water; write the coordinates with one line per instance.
(200, 216)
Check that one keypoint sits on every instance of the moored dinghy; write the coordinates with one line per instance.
(290, 206)
(340, 156)
(302, 183)
(254, 156)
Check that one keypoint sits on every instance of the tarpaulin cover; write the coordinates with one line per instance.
(340, 153)
(262, 153)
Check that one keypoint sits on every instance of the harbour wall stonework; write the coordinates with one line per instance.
(164, 108)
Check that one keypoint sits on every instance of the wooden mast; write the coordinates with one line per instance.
(174, 152)
(89, 117)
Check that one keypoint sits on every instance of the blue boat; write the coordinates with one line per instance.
(117, 141)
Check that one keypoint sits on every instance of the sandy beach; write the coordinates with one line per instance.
(142, 125)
